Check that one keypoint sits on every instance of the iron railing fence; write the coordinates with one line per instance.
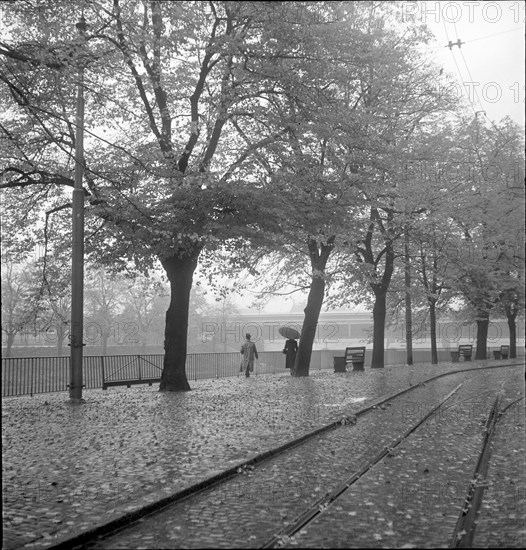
(33, 375)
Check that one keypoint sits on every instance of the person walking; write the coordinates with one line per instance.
(249, 352)
(290, 349)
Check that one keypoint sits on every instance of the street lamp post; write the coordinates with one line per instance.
(77, 267)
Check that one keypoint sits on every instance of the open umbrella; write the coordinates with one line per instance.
(289, 333)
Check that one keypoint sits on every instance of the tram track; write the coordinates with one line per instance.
(465, 529)
(463, 533)
(321, 505)
(121, 523)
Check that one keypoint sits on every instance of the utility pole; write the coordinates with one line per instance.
(408, 312)
(77, 266)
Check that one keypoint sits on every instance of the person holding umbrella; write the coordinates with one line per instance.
(291, 346)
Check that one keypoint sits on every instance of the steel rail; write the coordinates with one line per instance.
(323, 503)
(464, 531)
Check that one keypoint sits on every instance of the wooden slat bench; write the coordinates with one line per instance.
(355, 356)
(504, 351)
(464, 350)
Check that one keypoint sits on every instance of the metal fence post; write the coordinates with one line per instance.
(31, 377)
(102, 370)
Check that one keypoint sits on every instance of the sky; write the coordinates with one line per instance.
(490, 63)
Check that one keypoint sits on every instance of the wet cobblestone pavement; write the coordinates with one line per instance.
(67, 469)
(415, 495)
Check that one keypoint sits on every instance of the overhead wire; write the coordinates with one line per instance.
(458, 68)
(472, 81)
(467, 68)
(494, 34)
(476, 96)
(439, 47)
(482, 110)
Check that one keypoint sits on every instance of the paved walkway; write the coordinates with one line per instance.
(67, 468)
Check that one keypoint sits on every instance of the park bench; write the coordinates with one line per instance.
(355, 356)
(464, 350)
(503, 353)
(128, 383)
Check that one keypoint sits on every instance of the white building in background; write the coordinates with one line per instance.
(340, 329)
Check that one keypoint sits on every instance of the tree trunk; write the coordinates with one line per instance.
(61, 335)
(408, 318)
(433, 331)
(308, 330)
(380, 306)
(180, 271)
(379, 314)
(104, 341)
(482, 336)
(10, 340)
(513, 335)
(318, 258)
(379, 285)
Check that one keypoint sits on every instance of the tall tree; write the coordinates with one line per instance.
(377, 96)
(143, 305)
(20, 300)
(179, 103)
(432, 269)
(511, 298)
(432, 166)
(397, 106)
(489, 217)
(104, 295)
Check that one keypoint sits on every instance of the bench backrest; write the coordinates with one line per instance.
(504, 348)
(354, 353)
(465, 349)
